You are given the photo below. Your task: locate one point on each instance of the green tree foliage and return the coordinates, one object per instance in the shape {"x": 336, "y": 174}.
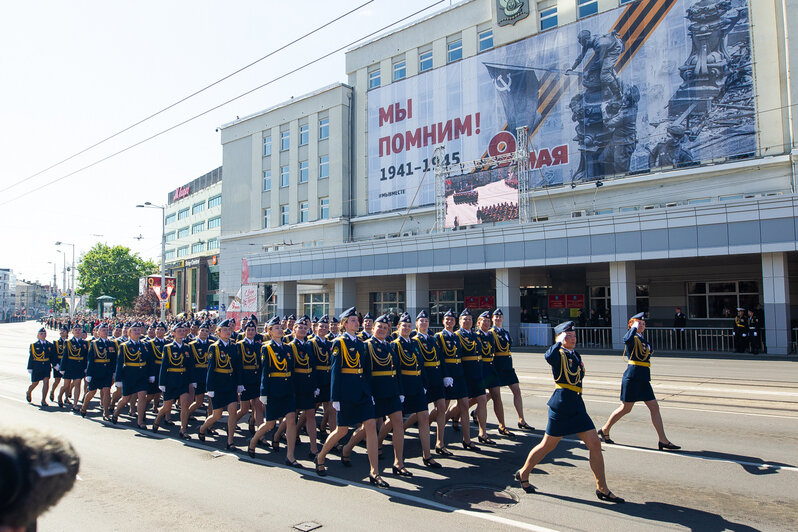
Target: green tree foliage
{"x": 112, "y": 271}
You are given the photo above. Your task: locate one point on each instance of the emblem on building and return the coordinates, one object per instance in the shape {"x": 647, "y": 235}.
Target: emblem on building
{"x": 511, "y": 11}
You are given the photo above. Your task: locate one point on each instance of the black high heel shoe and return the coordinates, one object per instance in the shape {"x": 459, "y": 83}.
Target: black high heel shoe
{"x": 201, "y": 436}
{"x": 276, "y": 446}
{"x": 183, "y": 436}
{"x": 346, "y": 460}
{"x": 609, "y": 497}
{"x": 430, "y": 464}
{"x": 605, "y": 437}
{"x": 505, "y": 432}
{"x": 230, "y": 447}
{"x": 401, "y": 471}
{"x": 667, "y": 446}
{"x": 295, "y": 464}
{"x": 470, "y": 447}
{"x": 525, "y": 485}
{"x": 443, "y": 452}
{"x": 378, "y": 481}
{"x": 524, "y": 426}
{"x": 486, "y": 440}
{"x": 251, "y": 452}
{"x": 321, "y": 470}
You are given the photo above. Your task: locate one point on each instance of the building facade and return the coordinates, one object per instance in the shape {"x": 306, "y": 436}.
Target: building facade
{"x": 192, "y": 226}
{"x": 31, "y": 299}
{"x": 8, "y": 291}
{"x": 650, "y": 174}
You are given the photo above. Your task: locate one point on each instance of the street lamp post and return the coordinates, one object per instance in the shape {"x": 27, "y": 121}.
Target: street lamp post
{"x": 147, "y": 204}
{"x": 54, "y": 290}
{"x": 72, "y": 290}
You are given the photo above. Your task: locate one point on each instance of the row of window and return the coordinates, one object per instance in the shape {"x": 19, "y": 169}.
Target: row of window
{"x": 304, "y": 136}
{"x": 182, "y": 214}
{"x": 285, "y": 213}
{"x": 197, "y": 247}
{"x": 195, "y": 228}
{"x": 285, "y": 173}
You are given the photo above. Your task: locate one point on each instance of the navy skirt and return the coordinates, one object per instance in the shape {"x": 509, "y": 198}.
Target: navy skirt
{"x": 386, "y": 405}
{"x": 434, "y": 393}
{"x": 223, "y": 398}
{"x": 40, "y": 374}
{"x": 352, "y": 414}
{"x": 201, "y": 387}
{"x": 490, "y": 376}
{"x": 569, "y": 415}
{"x": 507, "y": 377}
{"x": 457, "y": 390}
{"x": 174, "y": 392}
{"x": 251, "y": 391}
{"x": 57, "y": 374}
{"x": 133, "y": 386}
{"x": 305, "y": 401}
{"x": 324, "y": 394}
{"x": 277, "y": 407}
{"x": 97, "y": 383}
{"x": 415, "y": 403}
{"x": 633, "y": 390}
{"x": 152, "y": 387}
{"x": 74, "y": 370}
{"x": 476, "y": 387}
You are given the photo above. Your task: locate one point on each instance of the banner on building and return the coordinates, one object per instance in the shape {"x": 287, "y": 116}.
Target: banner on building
{"x": 654, "y": 84}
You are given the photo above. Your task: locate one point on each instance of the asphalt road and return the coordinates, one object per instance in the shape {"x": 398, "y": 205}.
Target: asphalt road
{"x": 737, "y": 421}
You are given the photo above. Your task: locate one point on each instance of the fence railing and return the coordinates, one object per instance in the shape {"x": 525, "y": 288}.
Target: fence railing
{"x": 794, "y": 344}
{"x": 668, "y": 339}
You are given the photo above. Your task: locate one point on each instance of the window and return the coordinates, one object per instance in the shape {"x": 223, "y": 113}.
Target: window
{"x": 267, "y": 180}
{"x": 626, "y": 2}
{"x": 425, "y": 61}
{"x": 324, "y": 208}
{"x": 213, "y": 243}
{"x": 374, "y": 79}
{"x": 182, "y": 232}
{"x": 284, "y": 176}
{"x": 485, "y": 40}
{"x": 284, "y": 214}
{"x": 267, "y": 218}
{"x": 304, "y": 134}
{"x": 324, "y": 128}
{"x": 324, "y": 166}
{"x": 170, "y": 236}
{"x": 454, "y": 51}
{"x": 600, "y": 305}
{"x": 387, "y": 303}
{"x": 198, "y": 207}
{"x": 198, "y": 247}
{"x": 587, "y": 7}
{"x": 303, "y": 211}
{"x": 197, "y": 228}
{"x": 442, "y": 300}
{"x": 548, "y": 18}
{"x": 214, "y": 222}
{"x": 316, "y": 305}
{"x": 267, "y": 146}
{"x": 170, "y": 254}
{"x": 285, "y": 140}
{"x": 399, "y": 70}
{"x": 170, "y": 219}
{"x": 215, "y": 201}
{"x": 707, "y": 300}
{"x": 303, "y": 171}
{"x": 182, "y": 251}
{"x": 182, "y": 214}
{"x": 642, "y": 298}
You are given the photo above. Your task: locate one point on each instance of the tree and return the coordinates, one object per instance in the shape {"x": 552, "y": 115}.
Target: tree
{"x": 147, "y": 303}
{"x": 112, "y": 271}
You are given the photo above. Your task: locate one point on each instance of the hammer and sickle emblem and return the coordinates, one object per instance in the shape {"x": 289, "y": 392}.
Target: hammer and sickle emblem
{"x": 502, "y": 85}
{"x": 511, "y": 7}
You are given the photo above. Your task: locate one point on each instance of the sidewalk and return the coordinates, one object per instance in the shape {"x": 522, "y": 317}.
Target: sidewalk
{"x": 711, "y": 355}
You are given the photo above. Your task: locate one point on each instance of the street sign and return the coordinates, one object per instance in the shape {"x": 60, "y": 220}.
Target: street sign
{"x": 164, "y": 295}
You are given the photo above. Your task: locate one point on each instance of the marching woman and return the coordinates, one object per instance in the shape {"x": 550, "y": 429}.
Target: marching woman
{"x": 57, "y": 352}
{"x": 567, "y": 413}
{"x": 503, "y": 362}
{"x": 320, "y": 348}
{"x": 175, "y": 379}
{"x": 223, "y": 381}
{"x": 156, "y": 345}
{"x": 277, "y": 392}
{"x": 414, "y": 386}
{"x": 468, "y": 349}
{"x": 73, "y": 365}
{"x": 454, "y": 379}
{"x": 199, "y": 365}
{"x": 103, "y": 353}
{"x": 490, "y": 374}
{"x": 386, "y": 391}
{"x": 350, "y": 393}
{"x": 249, "y": 355}
{"x": 39, "y": 362}
{"x": 133, "y": 374}
{"x": 636, "y": 383}
{"x": 305, "y": 385}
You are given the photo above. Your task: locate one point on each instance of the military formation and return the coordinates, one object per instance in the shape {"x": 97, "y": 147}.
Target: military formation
{"x": 325, "y": 376}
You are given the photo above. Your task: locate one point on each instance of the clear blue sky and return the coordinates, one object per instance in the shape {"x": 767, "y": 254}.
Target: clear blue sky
{"x": 76, "y": 72}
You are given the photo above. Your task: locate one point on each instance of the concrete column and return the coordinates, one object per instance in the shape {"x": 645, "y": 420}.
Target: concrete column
{"x": 623, "y": 302}
{"x": 345, "y": 295}
{"x": 508, "y": 298}
{"x": 286, "y": 298}
{"x": 776, "y": 295}
{"x": 416, "y": 293}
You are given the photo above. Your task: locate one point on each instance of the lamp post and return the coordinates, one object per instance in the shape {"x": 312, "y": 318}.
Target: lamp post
{"x": 54, "y": 291}
{"x": 72, "y": 290}
{"x": 147, "y": 204}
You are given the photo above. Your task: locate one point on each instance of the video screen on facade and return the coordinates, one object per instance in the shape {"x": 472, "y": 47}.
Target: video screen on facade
{"x": 482, "y": 197}
{"x": 654, "y": 84}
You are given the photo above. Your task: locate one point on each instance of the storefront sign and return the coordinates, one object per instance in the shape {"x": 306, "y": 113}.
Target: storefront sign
{"x": 181, "y": 192}
{"x": 557, "y": 301}
{"x": 575, "y": 301}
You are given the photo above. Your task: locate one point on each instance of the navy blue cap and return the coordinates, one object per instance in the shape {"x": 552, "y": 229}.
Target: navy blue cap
{"x": 315, "y": 320}
{"x": 160, "y": 324}
{"x": 383, "y": 319}
{"x": 291, "y": 317}
{"x": 639, "y": 316}
{"x": 422, "y": 314}
{"x": 564, "y": 327}
{"x": 465, "y": 312}
{"x": 103, "y": 325}
{"x": 348, "y": 312}
{"x": 450, "y": 314}
{"x": 324, "y": 319}
{"x": 274, "y": 321}
{"x": 303, "y": 320}
{"x": 405, "y": 318}
{"x": 498, "y": 312}
{"x": 333, "y": 320}
{"x": 251, "y": 323}
{"x": 43, "y": 330}
{"x": 485, "y": 314}
{"x": 205, "y": 325}
{"x": 64, "y": 328}
{"x": 368, "y": 316}
{"x": 226, "y": 323}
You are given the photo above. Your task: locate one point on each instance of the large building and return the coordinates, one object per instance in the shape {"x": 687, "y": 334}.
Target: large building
{"x": 8, "y": 291}
{"x": 593, "y": 157}
{"x": 32, "y": 298}
{"x": 192, "y": 226}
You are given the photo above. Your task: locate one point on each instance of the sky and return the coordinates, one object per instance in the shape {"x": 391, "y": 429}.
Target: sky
{"x": 74, "y": 73}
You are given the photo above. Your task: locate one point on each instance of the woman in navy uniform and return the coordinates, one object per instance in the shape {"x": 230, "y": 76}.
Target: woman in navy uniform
{"x": 277, "y": 391}
{"x": 175, "y": 378}
{"x": 39, "y": 362}
{"x": 387, "y": 394}
{"x": 350, "y": 393}
{"x": 368, "y": 327}
{"x": 567, "y": 413}
{"x": 636, "y": 383}
{"x": 73, "y": 365}
{"x": 103, "y": 353}
{"x": 490, "y": 374}
{"x": 55, "y": 359}
{"x": 199, "y": 365}
{"x": 156, "y": 346}
{"x": 133, "y": 374}
{"x": 503, "y": 362}
{"x": 305, "y": 385}
{"x": 223, "y": 381}
{"x": 454, "y": 379}
{"x": 249, "y": 355}
{"x": 320, "y": 348}
{"x": 469, "y": 351}
{"x": 414, "y": 386}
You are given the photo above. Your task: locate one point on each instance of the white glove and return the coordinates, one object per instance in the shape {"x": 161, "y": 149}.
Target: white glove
{"x": 373, "y": 401}
{"x": 316, "y": 392}
{"x": 754, "y": 334}
{"x": 58, "y": 367}
{"x": 162, "y": 388}
{"x": 336, "y": 406}
{"x": 152, "y": 379}
{"x": 744, "y": 335}
{"x": 448, "y": 382}
{"x": 425, "y": 391}
{"x": 210, "y": 394}
{"x": 263, "y": 399}
{"x": 194, "y": 385}
{"x": 88, "y": 378}
{"x": 401, "y": 398}
{"x": 30, "y": 371}
{"x": 240, "y": 388}
{"x": 118, "y": 384}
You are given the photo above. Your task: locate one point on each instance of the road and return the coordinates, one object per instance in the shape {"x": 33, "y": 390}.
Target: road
{"x": 736, "y": 420}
